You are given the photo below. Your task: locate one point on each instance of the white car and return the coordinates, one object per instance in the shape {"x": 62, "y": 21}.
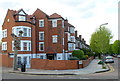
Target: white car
{"x": 109, "y": 59}
{"x": 118, "y": 56}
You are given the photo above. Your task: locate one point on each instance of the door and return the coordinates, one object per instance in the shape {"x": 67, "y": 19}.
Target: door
{"x": 50, "y": 56}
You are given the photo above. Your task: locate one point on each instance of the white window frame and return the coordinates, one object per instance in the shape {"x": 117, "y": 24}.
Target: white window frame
{"x": 16, "y": 30}
{"x": 63, "y": 23}
{"x": 68, "y": 36}
{"x": 42, "y": 32}
{"x": 71, "y": 46}
{"x": 72, "y": 30}
{"x": 21, "y": 45}
{"x": 4, "y": 45}
{"x": 4, "y": 33}
{"x": 22, "y": 18}
{"x": 40, "y": 46}
{"x": 41, "y": 23}
{"x": 63, "y": 41}
{"x": 54, "y": 38}
{"x": 54, "y": 23}
{"x": 72, "y": 38}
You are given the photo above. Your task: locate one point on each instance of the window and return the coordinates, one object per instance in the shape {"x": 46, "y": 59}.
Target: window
{"x": 25, "y": 60}
{"x": 41, "y": 46}
{"x": 54, "y": 38}
{"x": 25, "y": 32}
{"x": 4, "y": 45}
{"x": 4, "y": 33}
{"x": 68, "y": 36}
{"x": 22, "y": 18}
{"x": 72, "y": 39}
{"x": 29, "y": 46}
{"x": 41, "y": 23}
{"x": 71, "y": 46}
{"x": 41, "y": 35}
{"x": 29, "y": 32}
{"x": 41, "y": 57}
{"x": 17, "y": 31}
{"x": 63, "y": 23}
{"x": 72, "y": 30}
{"x": 54, "y": 23}
{"x": 24, "y": 45}
{"x": 63, "y": 41}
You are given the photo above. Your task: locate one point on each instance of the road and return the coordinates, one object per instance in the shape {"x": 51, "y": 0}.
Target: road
{"x": 112, "y": 74}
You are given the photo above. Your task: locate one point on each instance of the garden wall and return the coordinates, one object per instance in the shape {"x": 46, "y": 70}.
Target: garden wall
{"x": 5, "y": 61}
{"x": 46, "y": 64}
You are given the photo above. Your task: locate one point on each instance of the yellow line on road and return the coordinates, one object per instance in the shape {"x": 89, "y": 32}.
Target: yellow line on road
{"x": 111, "y": 68}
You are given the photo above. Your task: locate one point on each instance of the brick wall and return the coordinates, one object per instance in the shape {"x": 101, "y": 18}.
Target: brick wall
{"x": 53, "y": 64}
{"x": 5, "y": 61}
{"x": 58, "y": 64}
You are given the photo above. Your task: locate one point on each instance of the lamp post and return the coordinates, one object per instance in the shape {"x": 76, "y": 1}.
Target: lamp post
{"x": 103, "y": 24}
{"x": 16, "y": 46}
{"x": 100, "y": 29}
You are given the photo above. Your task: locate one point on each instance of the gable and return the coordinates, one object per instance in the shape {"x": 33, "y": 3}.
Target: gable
{"x": 22, "y": 12}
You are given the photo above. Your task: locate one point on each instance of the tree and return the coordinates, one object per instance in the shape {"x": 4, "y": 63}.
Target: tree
{"x": 100, "y": 40}
{"x": 110, "y": 49}
{"x": 116, "y": 47}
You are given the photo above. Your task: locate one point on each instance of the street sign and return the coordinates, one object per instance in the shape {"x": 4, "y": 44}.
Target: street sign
{"x": 80, "y": 62}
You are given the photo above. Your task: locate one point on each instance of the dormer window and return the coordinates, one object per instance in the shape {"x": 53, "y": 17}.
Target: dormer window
{"x": 22, "y": 18}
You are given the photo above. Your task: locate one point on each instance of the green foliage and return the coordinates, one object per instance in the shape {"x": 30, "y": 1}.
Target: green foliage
{"x": 84, "y": 57}
{"x": 100, "y": 40}
{"x": 78, "y": 53}
{"x": 110, "y": 49}
{"x": 116, "y": 47}
{"x": 74, "y": 58}
{"x": 88, "y": 52}
{"x": 101, "y": 62}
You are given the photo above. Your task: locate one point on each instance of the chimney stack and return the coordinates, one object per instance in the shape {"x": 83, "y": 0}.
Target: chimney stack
{"x": 80, "y": 37}
{"x": 76, "y": 34}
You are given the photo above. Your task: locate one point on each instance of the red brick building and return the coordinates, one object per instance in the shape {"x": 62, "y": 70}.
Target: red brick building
{"x": 46, "y": 37}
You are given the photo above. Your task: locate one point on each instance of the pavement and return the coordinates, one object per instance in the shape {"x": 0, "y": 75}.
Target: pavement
{"x": 93, "y": 67}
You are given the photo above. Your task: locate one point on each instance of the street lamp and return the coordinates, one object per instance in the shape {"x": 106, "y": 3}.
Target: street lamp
{"x": 16, "y": 46}
{"x": 100, "y": 29}
{"x": 103, "y": 24}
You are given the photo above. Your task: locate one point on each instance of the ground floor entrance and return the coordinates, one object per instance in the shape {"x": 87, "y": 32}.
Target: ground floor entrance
{"x": 51, "y": 56}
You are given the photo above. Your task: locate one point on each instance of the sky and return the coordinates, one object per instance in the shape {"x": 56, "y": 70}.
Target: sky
{"x": 85, "y": 15}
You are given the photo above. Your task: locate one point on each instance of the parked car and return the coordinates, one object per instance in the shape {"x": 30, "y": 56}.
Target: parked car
{"x": 118, "y": 56}
{"x": 109, "y": 59}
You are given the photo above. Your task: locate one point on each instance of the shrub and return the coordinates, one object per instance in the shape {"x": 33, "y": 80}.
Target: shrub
{"x": 74, "y": 58}
{"x": 101, "y": 62}
{"x": 84, "y": 58}
{"x": 78, "y": 53}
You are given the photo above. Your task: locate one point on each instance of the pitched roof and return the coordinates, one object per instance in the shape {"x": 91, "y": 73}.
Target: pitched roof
{"x": 55, "y": 15}
{"x": 38, "y": 10}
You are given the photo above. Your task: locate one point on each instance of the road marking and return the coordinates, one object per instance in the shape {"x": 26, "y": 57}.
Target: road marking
{"x": 111, "y": 68}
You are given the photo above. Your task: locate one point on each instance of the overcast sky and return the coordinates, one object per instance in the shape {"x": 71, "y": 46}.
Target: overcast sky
{"x": 85, "y": 15}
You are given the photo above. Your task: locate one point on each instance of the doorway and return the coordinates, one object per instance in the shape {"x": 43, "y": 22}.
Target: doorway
{"x": 51, "y": 56}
